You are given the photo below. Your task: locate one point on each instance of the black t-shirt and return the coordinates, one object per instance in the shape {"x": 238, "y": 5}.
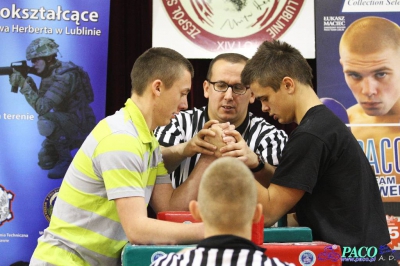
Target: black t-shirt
{"x": 342, "y": 204}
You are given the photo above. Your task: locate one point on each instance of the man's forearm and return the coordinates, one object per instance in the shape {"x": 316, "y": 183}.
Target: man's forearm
{"x": 270, "y": 212}
{"x": 277, "y": 201}
{"x": 140, "y": 229}
{"x": 188, "y": 190}
{"x": 168, "y": 233}
{"x": 264, "y": 175}
{"x": 173, "y": 156}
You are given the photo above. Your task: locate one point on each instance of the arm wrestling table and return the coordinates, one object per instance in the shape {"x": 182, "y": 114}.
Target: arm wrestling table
{"x": 289, "y": 244}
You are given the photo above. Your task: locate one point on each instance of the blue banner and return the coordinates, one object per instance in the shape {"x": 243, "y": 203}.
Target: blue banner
{"x": 70, "y": 39}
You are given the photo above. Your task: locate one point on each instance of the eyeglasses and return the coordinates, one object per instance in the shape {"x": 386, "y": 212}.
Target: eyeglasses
{"x": 221, "y": 86}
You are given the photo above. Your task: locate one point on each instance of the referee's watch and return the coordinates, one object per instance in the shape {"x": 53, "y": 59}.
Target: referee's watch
{"x": 260, "y": 165}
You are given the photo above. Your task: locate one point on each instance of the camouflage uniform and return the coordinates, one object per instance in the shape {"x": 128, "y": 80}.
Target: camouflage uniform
{"x": 62, "y": 103}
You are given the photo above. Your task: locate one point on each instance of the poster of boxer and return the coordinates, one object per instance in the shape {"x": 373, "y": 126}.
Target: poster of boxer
{"x": 358, "y": 68}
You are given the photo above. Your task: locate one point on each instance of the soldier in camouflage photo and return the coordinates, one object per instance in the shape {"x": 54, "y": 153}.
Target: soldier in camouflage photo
{"x": 62, "y": 103}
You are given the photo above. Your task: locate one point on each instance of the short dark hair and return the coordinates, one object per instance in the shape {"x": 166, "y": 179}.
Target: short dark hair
{"x": 158, "y": 63}
{"x": 273, "y": 61}
{"x": 229, "y": 57}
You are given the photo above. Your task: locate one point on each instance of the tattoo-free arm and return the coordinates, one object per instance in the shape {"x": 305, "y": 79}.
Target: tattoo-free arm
{"x": 277, "y": 201}
{"x": 140, "y": 229}
{"x": 169, "y": 199}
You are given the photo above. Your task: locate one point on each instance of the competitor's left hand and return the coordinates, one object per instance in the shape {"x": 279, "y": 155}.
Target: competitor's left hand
{"x": 239, "y": 149}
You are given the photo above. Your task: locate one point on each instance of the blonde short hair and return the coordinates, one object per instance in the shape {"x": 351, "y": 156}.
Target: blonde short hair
{"x": 227, "y": 194}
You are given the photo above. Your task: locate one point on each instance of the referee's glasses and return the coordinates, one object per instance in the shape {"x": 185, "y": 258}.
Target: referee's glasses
{"x": 221, "y": 86}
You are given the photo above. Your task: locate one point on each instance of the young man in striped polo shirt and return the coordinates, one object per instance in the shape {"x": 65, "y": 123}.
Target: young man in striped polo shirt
{"x": 103, "y": 198}
{"x": 261, "y": 144}
{"x": 227, "y": 205}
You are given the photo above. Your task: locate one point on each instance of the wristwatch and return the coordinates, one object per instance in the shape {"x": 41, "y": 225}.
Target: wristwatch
{"x": 260, "y": 165}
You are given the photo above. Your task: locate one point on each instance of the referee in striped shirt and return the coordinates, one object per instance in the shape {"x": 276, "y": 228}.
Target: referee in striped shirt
{"x": 260, "y": 147}
{"x": 227, "y": 205}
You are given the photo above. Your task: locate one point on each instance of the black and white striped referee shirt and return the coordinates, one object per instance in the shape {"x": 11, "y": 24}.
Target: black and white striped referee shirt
{"x": 261, "y": 137}
{"x": 221, "y": 250}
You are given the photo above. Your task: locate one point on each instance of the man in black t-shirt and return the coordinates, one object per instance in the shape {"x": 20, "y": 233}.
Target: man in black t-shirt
{"x": 323, "y": 171}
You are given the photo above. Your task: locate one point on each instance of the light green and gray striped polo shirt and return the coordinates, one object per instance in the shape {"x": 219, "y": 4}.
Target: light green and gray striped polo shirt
{"x": 120, "y": 158}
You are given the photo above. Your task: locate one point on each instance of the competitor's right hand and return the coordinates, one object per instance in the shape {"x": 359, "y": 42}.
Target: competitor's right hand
{"x": 198, "y": 144}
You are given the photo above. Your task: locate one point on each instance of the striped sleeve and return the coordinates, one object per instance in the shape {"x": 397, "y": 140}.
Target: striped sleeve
{"x": 180, "y": 130}
{"x": 266, "y": 139}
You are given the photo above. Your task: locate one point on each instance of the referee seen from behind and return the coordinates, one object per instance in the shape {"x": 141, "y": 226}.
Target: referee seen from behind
{"x": 260, "y": 145}
{"x": 227, "y": 205}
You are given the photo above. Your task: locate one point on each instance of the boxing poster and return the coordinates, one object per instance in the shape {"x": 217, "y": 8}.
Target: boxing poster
{"x": 358, "y": 76}
{"x": 206, "y": 28}
{"x": 53, "y": 69}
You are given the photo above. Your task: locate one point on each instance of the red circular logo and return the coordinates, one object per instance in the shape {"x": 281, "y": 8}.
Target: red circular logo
{"x": 232, "y": 24}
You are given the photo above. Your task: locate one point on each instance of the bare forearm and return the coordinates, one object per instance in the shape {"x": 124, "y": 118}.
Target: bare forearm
{"x": 167, "y": 233}
{"x": 188, "y": 190}
{"x": 173, "y": 156}
{"x": 140, "y": 229}
{"x": 264, "y": 175}
{"x": 264, "y": 199}
{"x": 277, "y": 201}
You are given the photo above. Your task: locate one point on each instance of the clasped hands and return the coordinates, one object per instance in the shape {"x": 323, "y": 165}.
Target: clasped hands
{"x": 221, "y": 139}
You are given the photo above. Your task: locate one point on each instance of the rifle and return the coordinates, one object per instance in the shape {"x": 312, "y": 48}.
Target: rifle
{"x": 19, "y": 66}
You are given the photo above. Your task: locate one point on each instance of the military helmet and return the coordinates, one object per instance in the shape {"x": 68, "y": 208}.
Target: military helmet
{"x": 41, "y": 47}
